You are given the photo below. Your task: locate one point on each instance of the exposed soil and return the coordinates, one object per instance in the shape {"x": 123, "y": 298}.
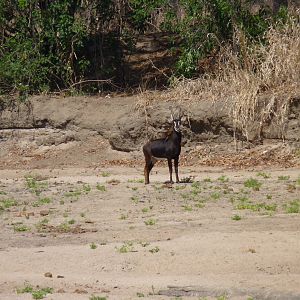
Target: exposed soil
{"x": 150, "y": 237}
{"x": 65, "y": 191}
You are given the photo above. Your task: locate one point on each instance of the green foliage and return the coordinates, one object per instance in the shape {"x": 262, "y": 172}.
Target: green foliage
{"x": 293, "y": 207}
{"x": 54, "y": 45}
{"x": 236, "y": 218}
{"x": 253, "y": 183}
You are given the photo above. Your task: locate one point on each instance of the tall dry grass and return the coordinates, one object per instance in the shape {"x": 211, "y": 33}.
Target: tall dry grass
{"x": 258, "y": 82}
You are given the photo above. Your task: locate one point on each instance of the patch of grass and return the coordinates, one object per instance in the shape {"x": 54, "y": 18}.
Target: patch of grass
{"x": 298, "y": 181}
{"x": 140, "y": 180}
{"x": 144, "y": 244}
{"x": 263, "y": 175}
{"x": 123, "y": 217}
{"x": 41, "y": 201}
{"x": 291, "y": 188}
{"x": 185, "y": 196}
{"x": 125, "y": 248}
{"x": 42, "y": 293}
{"x": 7, "y": 203}
{"x": 215, "y": 196}
{"x": 75, "y": 193}
{"x": 284, "y": 178}
{"x": 247, "y": 204}
{"x": 145, "y": 209}
{"x": 21, "y": 228}
{"x": 82, "y": 215}
{"x": 64, "y": 227}
{"x": 293, "y": 207}
{"x": 140, "y": 295}
{"x": 134, "y": 199}
{"x": 72, "y": 221}
{"x": 269, "y": 197}
{"x": 180, "y": 187}
{"x": 93, "y": 297}
{"x": 93, "y": 246}
{"x": 253, "y": 183}
{"x": 26, "y": 289}
{"x": 196, "y": 191}
{"x": 34, "y": 185}
{"x": 236, "y": 218}
{"x": 223, "y": 178}
{"x": 200, "y": 205}
{"x": 40, "y": 226}
{"x": 135, "y": 188}
{"x": 3, "y": 193}
{"x": 36, "y": 293}
{"x": 100, "y": 187}
{"x": 86, "y": 188}
{"x": 154, "y": 250}
{"x": 207, "y": 179}
{"x": 105, "y": 174}
{"x": 150, "y": 222}
{"x": 187, "y": 208}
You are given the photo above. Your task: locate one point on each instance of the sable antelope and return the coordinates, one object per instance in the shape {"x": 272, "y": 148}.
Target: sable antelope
{"x": 168, "y": 147}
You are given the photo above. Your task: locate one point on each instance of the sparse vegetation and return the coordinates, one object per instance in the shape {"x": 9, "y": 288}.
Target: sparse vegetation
{"x": 64, "y": 227}
{"x": 223, "y": 178}
{"x": 283, "y": 177}
{"x": 253, "y": 183}
{"x": 105, "y": 174}
{"x": 140, "y": 295}
{"x": 101, "y": 187}
{"x": 34, "y": 185}
{"x": 140, "y": 180}
{"x": 236, "y": 218}
{"x": 145, "y": 209}
{"x": 125, "y": 248}
{"x": 263, "y": 175}
{"x": 7, "y": 203}
{"x": 154, "y": 250}
{"x": 41, "y": 201}
{"x": 187, "y": 208}
{"x": 93, "y": 297}
{"x": 21, "y": 228}
{"x": 86, "y": 188}
{"x": 72, "y": 193}
{"x": 36, "y": 293}
{"x": 150, "y": 222}
{"x": 93, "y": 246}
{"x": 134, "y": 199}
{"x": 293, "y": 207}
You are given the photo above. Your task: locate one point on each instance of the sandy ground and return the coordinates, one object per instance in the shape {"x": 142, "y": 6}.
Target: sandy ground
{"x": 101, "y": 231}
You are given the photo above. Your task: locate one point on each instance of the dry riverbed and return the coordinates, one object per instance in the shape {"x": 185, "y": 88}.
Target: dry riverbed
{"x": 87, "y": 233}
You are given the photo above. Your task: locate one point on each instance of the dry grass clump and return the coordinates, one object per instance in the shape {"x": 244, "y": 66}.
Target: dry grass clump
{"x": 258, "y": 82}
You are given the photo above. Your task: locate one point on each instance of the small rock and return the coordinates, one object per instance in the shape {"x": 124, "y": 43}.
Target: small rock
{"x": 48, "y": 274}
{"x": 44, "y": 213}
{"x": 61, "y": 291}
{"x": 60, "y": 276}
{"x": 80, "y": 291}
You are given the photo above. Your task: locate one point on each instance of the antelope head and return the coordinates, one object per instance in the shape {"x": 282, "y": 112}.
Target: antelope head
{"x": 176, "y": 118}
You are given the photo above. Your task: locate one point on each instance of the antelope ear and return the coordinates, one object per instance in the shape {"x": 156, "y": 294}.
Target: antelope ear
{"x": 183, "y": 119}
{"x": 170, "y": 120}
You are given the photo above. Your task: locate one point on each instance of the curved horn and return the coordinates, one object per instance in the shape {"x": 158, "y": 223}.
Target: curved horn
{"x": 172, "y": 113}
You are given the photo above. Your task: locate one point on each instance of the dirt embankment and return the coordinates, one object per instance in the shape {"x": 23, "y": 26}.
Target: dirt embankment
{"x": 86, "y": 126}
